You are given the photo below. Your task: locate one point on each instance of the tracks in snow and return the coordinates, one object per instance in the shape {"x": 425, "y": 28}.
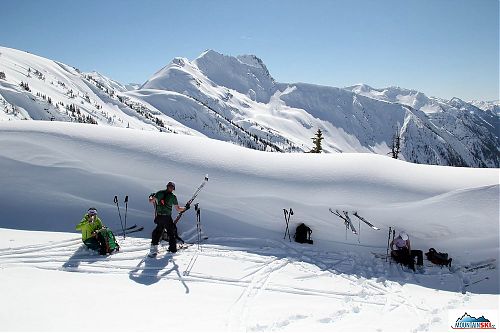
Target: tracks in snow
{"x": 268, "y": 267}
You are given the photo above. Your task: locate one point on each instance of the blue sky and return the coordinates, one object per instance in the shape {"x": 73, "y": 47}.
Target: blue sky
{"x": 445, "y": 48}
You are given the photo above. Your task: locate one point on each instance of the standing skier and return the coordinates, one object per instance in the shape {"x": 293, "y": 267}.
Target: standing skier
{"x": 402, "y": 252}
{"x": 163, "y": 201}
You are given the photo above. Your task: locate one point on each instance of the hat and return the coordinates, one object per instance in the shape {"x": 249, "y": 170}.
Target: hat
{"x": 403, "y": 235}
{"x": 171, "y": 184}
{"x": 92, "y": 211}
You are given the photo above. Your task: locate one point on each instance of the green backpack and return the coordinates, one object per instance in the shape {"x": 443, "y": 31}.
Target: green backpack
{"x": 107, "y": 241}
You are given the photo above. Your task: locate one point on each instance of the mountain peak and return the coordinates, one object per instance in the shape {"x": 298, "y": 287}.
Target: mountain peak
{"x": 361, "y": 88}
{"x": 209, "y": 54}
{"x": 246, "y": 74}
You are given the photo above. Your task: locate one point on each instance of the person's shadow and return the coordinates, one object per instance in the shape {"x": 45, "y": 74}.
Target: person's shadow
{"x": 147, "y": 270}
{"x": 81, "y": 254}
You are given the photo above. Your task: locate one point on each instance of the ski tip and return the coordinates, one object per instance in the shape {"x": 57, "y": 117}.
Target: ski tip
{"x": 206, "y": 177}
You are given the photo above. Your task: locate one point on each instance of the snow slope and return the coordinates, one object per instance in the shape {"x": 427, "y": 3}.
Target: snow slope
{"x": 251, "y": 278}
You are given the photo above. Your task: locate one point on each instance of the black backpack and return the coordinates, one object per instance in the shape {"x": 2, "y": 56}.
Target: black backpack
{"x": 303, "y": 234}
{"x": 438, "y": 258}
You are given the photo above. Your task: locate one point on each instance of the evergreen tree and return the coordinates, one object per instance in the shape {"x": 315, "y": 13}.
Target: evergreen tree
{"x": 317, "y": 142}
{"x": 396, "y": 145}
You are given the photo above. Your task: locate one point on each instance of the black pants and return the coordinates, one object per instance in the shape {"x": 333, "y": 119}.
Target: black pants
{"x": 165, "y": 222}
{"x": 408, "y": 258}
{"x": 98, "y": 243}
{"x": 420, "y": 256}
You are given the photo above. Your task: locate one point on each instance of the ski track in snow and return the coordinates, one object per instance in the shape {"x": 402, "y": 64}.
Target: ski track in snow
{"x": 264, "y": 272}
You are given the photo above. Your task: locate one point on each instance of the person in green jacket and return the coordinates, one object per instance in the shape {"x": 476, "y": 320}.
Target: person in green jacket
{"x": 91, "y": 226}
{"x": 164, "y": 201}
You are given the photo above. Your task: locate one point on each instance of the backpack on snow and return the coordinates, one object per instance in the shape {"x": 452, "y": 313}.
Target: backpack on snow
{"x": 107, "y": 241}
{"x": 438, "y": 258}
{"x": 303, "y": 234}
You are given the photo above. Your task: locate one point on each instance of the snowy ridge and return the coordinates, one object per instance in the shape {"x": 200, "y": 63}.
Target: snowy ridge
{"x": 432, "y": 131}
{"x": 246, "y": 270}
{"x": 55, "y": 91}
{"x": 109, "y": 84}
{"x": 235, "y": 99}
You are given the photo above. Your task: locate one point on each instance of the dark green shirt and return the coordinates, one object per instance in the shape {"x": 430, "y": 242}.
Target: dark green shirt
{"x": 164, "y": 202}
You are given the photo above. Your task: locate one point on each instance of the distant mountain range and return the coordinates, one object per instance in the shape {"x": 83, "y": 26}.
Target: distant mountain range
{"x": 236, "y": 99}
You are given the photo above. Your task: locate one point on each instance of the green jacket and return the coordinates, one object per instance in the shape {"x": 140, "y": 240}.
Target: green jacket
{"x": 169, "y": 200}
{"x": 88, "y": 227}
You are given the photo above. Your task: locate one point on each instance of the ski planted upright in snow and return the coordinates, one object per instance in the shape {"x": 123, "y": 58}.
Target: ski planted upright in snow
{"x": 365, "y": 221}
{"x": 347, "y": 220}
{"x": 346, "y": 214}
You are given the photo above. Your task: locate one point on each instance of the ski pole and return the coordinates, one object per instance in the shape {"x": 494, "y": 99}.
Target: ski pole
{"x": 126, "y": 209}
{"x": 290, "y": 213}
{"x": 359, "y": 231}
{"x": 388, "y": 240}
{"x": 286, "y": 221}
{"x": 393, "y": 234}
{"x": 120, "y": 215}
{"x": 198, "y": 223}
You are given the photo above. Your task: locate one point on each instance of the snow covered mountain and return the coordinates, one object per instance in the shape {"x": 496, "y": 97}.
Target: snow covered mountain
{"x": 236, "y": 99}
{"x": 470, "y": 130}
{"x": 355, "y": 119}
{"x": 252, "y": 278}
{"x": 32, "y": 87}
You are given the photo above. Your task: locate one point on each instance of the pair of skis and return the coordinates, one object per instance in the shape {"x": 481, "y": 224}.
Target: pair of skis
{"x": 129, "y": 230}
{"x": 347, "y": 220}
{"x": 192, "y": 198}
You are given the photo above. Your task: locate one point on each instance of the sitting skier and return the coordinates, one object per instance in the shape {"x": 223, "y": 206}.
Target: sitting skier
{"x": 402, "y": 253}
{"x": 95, "y": 235}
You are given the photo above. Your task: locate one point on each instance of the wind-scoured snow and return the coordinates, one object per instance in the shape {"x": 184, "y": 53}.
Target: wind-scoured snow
{"x": 247, "y": 277}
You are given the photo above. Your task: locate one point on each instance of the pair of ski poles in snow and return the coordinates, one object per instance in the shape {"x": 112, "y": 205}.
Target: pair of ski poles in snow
{"x": 120, "y": 215}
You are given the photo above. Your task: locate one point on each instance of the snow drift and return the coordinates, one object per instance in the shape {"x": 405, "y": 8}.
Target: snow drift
{"x": 51, "y": 172}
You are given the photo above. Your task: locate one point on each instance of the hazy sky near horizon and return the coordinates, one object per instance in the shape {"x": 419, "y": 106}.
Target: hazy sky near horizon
{"x": 444, "y": 48}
